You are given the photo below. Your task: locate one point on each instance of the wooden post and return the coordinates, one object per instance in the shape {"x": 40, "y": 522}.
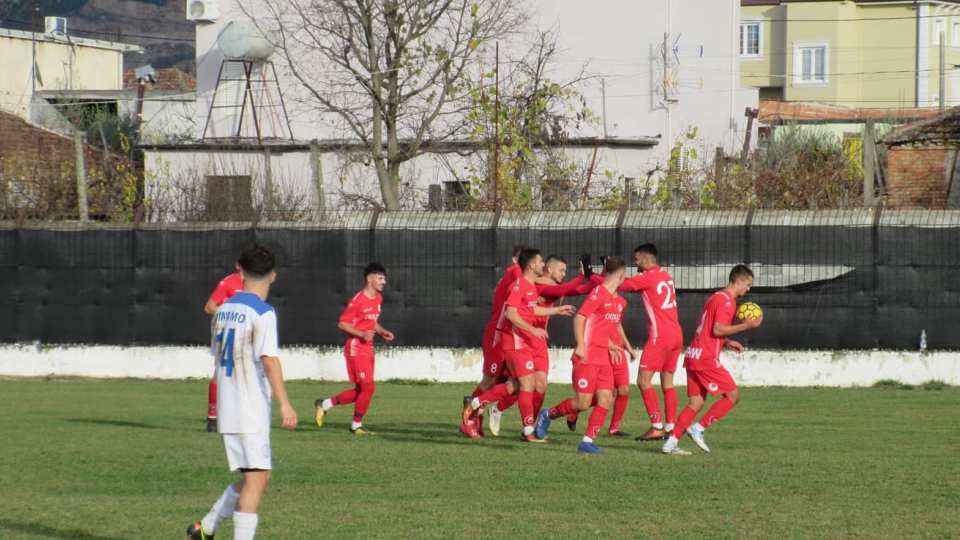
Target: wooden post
{"x": 750, "y": 114}
{"x": 316, "y": 170}
{"x": 869, "y": 160}
{"x": 82, "y": 208}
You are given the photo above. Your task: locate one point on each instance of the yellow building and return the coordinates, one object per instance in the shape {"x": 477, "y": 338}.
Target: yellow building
{"x": 853, "y": 53}
{"x": 63, "y": 62}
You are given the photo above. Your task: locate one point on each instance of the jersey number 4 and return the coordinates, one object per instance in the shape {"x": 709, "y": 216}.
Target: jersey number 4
{"x": 665, "y": 289}
{"x": 225, "y": 350}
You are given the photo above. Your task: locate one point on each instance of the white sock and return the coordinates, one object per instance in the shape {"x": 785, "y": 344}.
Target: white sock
{"x": 475, "y": 403}
{"x": 356, "y": 425}
{"x": 587, "y": 439}
{"x": 669, "y": 427}
{"x": 527, "y": 430}
{"x": 657, "y": 425}
{"x": 244, "y": 525}
{"x": 327, "y": 404}
{"x": 222, "y": 509}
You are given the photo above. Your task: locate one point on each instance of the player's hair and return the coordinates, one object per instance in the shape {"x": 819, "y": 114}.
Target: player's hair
{"x": 257, "y": 261}
{"x": 554, "y": 258}
{"x": 517, "y": 249}
{"x": 526, "y": 256}
{"x": 740, "y": 271}
{"x": 613, "y": 263}
{"x": 647, "y": 248}
{"x": 374, "y": 268}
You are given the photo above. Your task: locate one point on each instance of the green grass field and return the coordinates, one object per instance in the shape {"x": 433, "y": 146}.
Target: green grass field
{"x": 100, "y": 460}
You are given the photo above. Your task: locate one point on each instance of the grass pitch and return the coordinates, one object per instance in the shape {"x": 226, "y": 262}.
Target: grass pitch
{"x": 99, "y": 460}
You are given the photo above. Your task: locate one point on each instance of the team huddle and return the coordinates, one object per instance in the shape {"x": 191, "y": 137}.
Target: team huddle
{"x": 516, "y": 362}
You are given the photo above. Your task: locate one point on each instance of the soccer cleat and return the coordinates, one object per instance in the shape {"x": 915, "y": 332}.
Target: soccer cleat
{"x": 360, "y": 431}
{"x": 211, "y": 425}
{"x": 588, "y": 448}
{"x": 542, "y": 426}
{"x": 469, "y": 429}
{"x": 467, "y": 412}
{"x": 319, "y": 413}
{"x": 572, "y": 424}
{"x": 195, "y": 532}
{"x": 696, "y": 433}
{"x": 494, "y": 424}
{"x": 671, "y": 447}
{"x": 531, "y": 439}
{"x": 617, "y": 433}
{"x": 676, "y": 452}
{"x": 653, "y": 434}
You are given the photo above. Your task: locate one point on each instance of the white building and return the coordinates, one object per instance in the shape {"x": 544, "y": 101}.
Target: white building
{"x": 657, "y": 70}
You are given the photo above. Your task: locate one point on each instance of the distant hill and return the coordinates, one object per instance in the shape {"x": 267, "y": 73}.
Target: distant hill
{"x": 159, "y": 26}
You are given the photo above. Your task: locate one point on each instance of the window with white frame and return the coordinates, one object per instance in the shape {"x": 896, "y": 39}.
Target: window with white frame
{"x": 939, "y": 27}
{"x": 810, "y": 63}
{"x": 750, "y": 39}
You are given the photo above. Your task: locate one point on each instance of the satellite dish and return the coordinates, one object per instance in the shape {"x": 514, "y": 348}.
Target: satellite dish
{"x": 244, "y": 41}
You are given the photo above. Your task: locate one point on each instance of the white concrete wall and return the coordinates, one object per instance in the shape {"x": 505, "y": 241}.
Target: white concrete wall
{"x": 753, "y": 368}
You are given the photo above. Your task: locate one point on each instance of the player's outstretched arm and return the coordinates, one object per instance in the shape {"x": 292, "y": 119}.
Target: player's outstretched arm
{"x": 271, "y": 365}
{"x": 565, "y": 309}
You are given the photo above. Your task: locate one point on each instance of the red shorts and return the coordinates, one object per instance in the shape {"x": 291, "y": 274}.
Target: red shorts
{"x": 520, "y": 363}
{"x": 715, "y": 381}
{"x": 541, "y": 357}
{"x": 621, "y": 371}
{"x": 588, "y": 377}
{"x": 493, "y": 365}
{"x": 360, "y": 368}
{"x": 661, "y": 356}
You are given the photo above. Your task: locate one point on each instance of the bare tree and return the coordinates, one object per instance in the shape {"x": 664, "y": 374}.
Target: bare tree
{"x": 393, "y": 71}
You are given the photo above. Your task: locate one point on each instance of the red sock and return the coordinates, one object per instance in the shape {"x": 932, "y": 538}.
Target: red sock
{"x": 212, "y": 399}
{"x": 507, "y": 402}
{"x": 526, "y": 407}
{"x": 347, "y": 396}
{"x": 538, "y": 398}
{"x": 670, "y": 404}
{"x": 686, "y": 418}
{"x": 494, "y": 394}
{"x": 652, "y": 402}
{"x": 597, "y": 418}
{"x": 619, "y": 409}
{"x": 717, "y": 411}
{"x": 564, "y": 408}
{"x": 364, "y": 396}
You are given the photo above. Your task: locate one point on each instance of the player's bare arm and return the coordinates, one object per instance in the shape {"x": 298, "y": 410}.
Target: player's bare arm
{"x": 564, "y": 310}
{"x": 211, "y": 307}
{"x": 723, "y": 330}
{"x": 274, "y": 372}
{"x": 351, "y": 330}
{"x": 579, "y": 328}
{"x": 627, "y": 346}
{"x": 615, "y": 350}
{"x": 514, "y": 317}
{"x": 383, "y": 332}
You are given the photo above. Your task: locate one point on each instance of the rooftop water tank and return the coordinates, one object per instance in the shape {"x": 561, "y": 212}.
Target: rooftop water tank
{"x": 243, "y": 40}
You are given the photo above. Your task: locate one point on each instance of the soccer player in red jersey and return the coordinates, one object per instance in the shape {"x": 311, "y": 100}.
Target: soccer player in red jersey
{"x": 227, "y": 287}
{"x": 359, "y": 322}
{"x": 664, "y": 339}
{"x": 519, "y": 338}
{"x": 705, "y": 374}
{"x": 621, "y": 379}
{"x": 594, "y": 327}
{"x": 551, "y": 289}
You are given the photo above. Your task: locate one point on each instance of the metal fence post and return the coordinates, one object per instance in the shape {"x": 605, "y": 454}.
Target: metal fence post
{"x": 495, "y": 227}
{"x": 618, "y": 237}
{"x": 747, "y": 226}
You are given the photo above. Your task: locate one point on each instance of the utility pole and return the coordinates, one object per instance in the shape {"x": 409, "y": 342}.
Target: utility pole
{"x": 943, "y": 74}
{"x": 869, "y": 163}
{"x": 82, "y": 208}
{"x": 496, "y": 130}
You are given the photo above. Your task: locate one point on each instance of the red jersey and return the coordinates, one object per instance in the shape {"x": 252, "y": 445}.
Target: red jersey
{"x": 523, "y": 297}
{"x": 362, "y": 313}
{"x": 704, "y": 350}
{"x": 227, "y": 287}
{"x": 603, "y": 312}
{"x": 549, "y": 294}
{"x": 660, "y": 301}
{"x": 502, "y": 290}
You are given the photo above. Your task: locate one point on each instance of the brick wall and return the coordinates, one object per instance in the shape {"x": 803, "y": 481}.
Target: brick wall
{"x": 916, "y": 176}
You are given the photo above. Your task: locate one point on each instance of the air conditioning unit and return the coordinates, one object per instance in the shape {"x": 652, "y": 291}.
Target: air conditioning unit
{"x": 55, "y": 26}
{"x": 202, "y": 10}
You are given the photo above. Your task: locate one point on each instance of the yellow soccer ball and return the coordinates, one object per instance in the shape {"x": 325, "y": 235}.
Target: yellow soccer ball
{"x": 748, "y": 311}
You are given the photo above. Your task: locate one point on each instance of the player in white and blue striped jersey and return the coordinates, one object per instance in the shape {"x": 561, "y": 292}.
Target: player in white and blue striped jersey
{"x": 248, "y": 373}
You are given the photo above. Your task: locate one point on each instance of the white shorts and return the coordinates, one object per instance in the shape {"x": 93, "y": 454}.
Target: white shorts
{"x": 248, "y": 451}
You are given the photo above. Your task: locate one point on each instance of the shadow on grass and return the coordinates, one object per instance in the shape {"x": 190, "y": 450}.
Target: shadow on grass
{"x": 114, "y": 423}
{"x": 39, "y": 529}
{"x": 428, "y": 432}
